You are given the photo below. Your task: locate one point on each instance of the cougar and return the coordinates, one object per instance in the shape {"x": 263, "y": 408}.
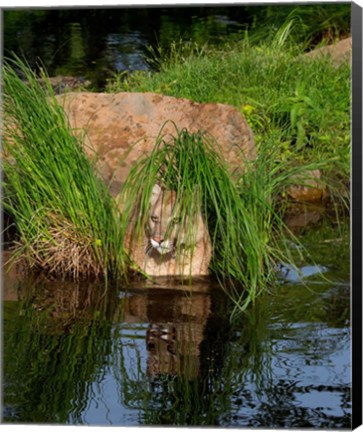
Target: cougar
{"x": 166, "y": 248}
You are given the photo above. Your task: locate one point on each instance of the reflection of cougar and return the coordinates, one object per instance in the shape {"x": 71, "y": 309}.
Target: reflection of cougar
{"x": 167, "y": 249}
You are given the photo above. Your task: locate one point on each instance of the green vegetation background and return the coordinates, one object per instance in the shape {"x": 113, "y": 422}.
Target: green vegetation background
{"x": 302, "y": 104}
{"x": 298, "y": 108}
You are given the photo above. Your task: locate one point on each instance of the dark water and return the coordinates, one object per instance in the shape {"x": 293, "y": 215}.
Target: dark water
{"x": 96, "y": 43}
{"x": 76, "y": 354}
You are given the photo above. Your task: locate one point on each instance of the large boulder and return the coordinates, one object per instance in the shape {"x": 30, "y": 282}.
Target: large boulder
{"x": 123, "y": 127}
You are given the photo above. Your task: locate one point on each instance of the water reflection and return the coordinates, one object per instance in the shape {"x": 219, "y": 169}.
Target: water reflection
{"x": 83, "y": 354}
{"x": 176, "y": 322}
{"x": 69, "y": 339}
{"x": 126, "y": 51}
{"x": 95, "y": 43}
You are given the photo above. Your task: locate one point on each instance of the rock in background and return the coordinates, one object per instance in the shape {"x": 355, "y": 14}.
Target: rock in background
{"x": 308, "y": 188}
{"x": 339, "y": 52}
{"x": 123, "y": 127}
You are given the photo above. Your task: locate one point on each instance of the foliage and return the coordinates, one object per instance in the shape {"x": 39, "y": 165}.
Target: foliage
{"x": 68, "y": 222}
{"x": 303, "y": 102}
{"x": 65, "y": 217}
{"x": 311, "y": 24}
{"x": 244, "y": 227}
{"x": 176, "y": 52}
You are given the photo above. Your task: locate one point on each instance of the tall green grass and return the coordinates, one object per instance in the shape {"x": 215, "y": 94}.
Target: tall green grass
{"x": 243, "y": 222}
{"x": 65, "y": 217}
{"x": 311, "y": 24}
{"x": 69, "y": 224}
{"x": 303, "y": 102}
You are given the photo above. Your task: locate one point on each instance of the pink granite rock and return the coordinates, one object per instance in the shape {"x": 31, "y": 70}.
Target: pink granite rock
{"x": 309, "y": 187}
{"x": 339, "y": 52}
{"x": 122, "y": 128}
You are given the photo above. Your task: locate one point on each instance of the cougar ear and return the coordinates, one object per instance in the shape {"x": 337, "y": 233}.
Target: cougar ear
{"x": 155, "y": 193}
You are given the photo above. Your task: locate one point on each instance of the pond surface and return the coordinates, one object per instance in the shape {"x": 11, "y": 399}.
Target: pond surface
{"x": 95, "y": 43}
{"x": 82, "y": 355}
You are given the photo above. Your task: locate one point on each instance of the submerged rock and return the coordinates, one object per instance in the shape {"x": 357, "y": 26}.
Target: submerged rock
{"x": 63, "y": 83}
{"x": 123, "y": 127}
{"x": 302, "y": 215}
{"x": 308, "y": 188}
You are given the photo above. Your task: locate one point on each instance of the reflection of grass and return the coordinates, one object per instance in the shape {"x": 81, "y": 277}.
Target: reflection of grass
{"x": 327, "y": 294}
{"x": 49, "y": 375}
{"x": 55, "y": 369}
{"x": 329, "y": 245}
{"x": 230, "y": 357}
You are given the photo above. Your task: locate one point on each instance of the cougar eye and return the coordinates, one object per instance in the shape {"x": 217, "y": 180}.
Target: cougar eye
{"x": 154, "y": 218}
{"x": 176, "y": 220}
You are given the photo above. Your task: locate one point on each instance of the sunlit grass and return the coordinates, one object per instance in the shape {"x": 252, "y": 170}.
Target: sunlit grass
{"x": 305, "y": 102}
{"x": 242, "y": 213}
{"x": 65, "y": 217}
{"x": 69, "y": 225}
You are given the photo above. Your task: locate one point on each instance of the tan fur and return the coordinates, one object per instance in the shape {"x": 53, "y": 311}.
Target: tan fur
{"x": 175, "y": 254}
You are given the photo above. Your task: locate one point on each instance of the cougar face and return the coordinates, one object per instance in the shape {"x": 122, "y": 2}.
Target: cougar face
{"x": 164, "y": 222}
{"x": 171, "y": 244}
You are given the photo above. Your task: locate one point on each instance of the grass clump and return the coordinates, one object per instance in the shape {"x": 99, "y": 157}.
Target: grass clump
{"x": 244, "y": 239}
{"x": 65, "y": 217}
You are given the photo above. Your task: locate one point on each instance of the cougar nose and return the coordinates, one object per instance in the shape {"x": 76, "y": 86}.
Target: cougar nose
{"x": 158, "y": 239}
